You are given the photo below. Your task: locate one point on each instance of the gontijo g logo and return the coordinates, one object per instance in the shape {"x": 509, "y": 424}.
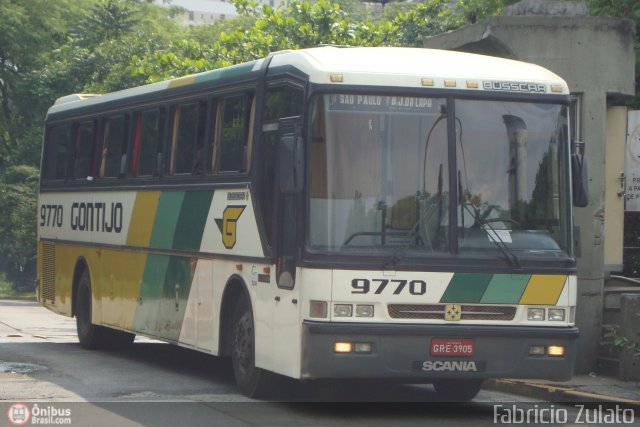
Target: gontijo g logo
{"x": 228, "y": 225}
{"x": 18, "y": 414}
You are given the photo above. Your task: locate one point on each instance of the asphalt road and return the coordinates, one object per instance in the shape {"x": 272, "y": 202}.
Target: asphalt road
{"x": 157, "y": 384}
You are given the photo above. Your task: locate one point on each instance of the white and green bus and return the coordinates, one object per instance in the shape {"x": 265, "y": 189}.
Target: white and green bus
{"x": 381, "y": 213}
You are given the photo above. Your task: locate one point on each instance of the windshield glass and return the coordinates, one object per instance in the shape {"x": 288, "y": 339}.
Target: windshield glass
{"x": 513, "y": 185}
{"x": 380, "y": 180}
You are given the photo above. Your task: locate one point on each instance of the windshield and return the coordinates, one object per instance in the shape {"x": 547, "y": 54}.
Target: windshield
{"x": 381, "y": 179}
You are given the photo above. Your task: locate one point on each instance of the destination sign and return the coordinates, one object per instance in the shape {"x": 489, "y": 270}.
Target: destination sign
{"x": 384, "y": 104}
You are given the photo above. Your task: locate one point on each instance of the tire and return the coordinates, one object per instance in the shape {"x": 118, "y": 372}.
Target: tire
{"x": 457, "y": 390}
{"x": 93, "y": 337}
{"x": 252, "y": 381}
{"x": 90, "y": 336}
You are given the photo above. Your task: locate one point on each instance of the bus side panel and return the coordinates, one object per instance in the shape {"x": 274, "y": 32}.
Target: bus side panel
{"x": 175, "y": 289}
{"x": 117, "y": 275}
{"x": 54, "y": 278}
{"x": 58, "y": 263}
{"x": 198, "y": 324}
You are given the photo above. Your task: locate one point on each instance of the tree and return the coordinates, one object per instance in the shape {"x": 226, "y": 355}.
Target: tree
{"x": 44, "y": 54}
{"x": 29, "y": 30}
{"x": 18, "y": 202}
{"x": 261, "y": 30}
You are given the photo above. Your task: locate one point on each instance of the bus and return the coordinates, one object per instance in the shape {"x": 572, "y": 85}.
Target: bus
{"x": 398, "y": 214}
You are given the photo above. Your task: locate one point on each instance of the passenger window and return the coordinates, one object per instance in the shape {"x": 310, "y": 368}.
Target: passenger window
{"x": 186, "y": 137}
{"x": 57, "y": 146}
{"x": 85, "y": 137}
{"x": 234, "y": 136}
{"x": 148, "y": 133}
{"x": 113, "y": 156}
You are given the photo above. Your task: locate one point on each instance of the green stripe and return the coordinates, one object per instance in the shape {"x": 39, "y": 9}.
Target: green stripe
{"x": 233, "y": 70}
{"x": 192, "y": 220}
{"x": 166, "y": 220}
{"x": 177, "y": 283}
{"x": 466, "y": 287}
{"x": 505, "y": 289}
{"x": 155, "y": 272}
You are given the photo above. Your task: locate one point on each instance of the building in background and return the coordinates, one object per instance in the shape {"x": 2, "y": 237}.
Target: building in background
{"x": 198, "y": 12}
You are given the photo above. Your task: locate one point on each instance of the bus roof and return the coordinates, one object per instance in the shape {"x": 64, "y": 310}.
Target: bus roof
{"x": 412, "y": 67}
{"x": 370, "y": 66}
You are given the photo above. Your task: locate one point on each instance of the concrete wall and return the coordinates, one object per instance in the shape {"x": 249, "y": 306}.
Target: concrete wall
{"x": 596, "y": 57}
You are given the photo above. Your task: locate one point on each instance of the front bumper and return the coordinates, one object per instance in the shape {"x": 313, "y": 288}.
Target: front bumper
{"x": 400, "y": 350}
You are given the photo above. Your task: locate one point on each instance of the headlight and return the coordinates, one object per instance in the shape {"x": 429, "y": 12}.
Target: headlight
{"x": 556, "y": 314}
{"x": 363, "y": 310}
{"x": 342, "y": 310}
{"x": 535, "y": 314}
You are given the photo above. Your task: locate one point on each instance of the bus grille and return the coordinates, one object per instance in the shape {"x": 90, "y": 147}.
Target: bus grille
{"x": 436, "y": 312}
{"x": 48, "y": 291}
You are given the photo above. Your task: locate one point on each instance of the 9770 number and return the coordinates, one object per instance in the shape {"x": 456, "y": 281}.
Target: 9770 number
{"x": 364, "y": 286}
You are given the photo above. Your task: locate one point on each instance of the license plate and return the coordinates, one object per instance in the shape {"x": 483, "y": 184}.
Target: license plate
{"x": 452, "y": 347}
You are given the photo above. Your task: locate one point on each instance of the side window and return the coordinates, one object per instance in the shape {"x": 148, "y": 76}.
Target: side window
{"x": 57, "y": 146}
{"x": 148, "y": 133}
{"x": 281, "y": 101}
{"x": 113, "y": 153}
{"x": 234, "y": 136}
{"x": 84, "y": 143}
{"x": 187, "y": 134}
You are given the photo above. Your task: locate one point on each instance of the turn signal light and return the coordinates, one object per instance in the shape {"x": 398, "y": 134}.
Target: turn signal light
{"x": 342, "y": 347}
{"x": 318, "y": 309}
{"x": 555, "y": 350}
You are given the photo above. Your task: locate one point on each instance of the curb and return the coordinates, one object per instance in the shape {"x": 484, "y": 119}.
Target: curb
{"x": 554, "y": 393}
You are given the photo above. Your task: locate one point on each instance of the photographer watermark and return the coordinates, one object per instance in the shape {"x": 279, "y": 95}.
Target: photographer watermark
{"x": 20, "y": 414}
{"x": 577, "y": 414}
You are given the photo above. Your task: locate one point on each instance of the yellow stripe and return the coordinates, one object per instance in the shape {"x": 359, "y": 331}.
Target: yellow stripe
{"x": 543, "y": 289}
{"x": 118, "y": 276}
{"x": 182, "y": 81}
{"x": 144, "y": 212}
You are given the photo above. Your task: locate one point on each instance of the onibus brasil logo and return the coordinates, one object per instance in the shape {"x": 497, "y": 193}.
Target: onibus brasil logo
{"x": 19, "y": 414}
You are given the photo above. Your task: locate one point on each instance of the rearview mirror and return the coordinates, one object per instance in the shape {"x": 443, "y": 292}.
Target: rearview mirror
{"x": 579, "y": 176}
{"x": 290, "y": 156}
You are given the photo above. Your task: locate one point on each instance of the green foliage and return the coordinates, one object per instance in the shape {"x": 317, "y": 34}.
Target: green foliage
{"x": 29, "y": 29}
{"x": 261, "y": 30}
{"x": 625, "y": 344}
{"x": 105, "y": 20}
{"x": 18, "y": 191}
{"x": 7, "y": 290}
{"x": 432, "y": 17}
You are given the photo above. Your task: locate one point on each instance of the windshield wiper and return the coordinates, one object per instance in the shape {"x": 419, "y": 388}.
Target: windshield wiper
{"x": 399, "y": 253}
{"x": 508, "y": 254}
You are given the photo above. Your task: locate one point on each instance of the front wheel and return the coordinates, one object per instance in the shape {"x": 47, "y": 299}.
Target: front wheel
{"x": 252, "y": 381}
{"x": 457, "y": 390}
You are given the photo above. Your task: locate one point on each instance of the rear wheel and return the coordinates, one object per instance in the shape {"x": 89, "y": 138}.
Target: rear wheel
{"x": 93, "y": 336}
{"x": 90, "y": 336}
{"x": 457, "y": 390}
{"x": 252, "y": 381}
